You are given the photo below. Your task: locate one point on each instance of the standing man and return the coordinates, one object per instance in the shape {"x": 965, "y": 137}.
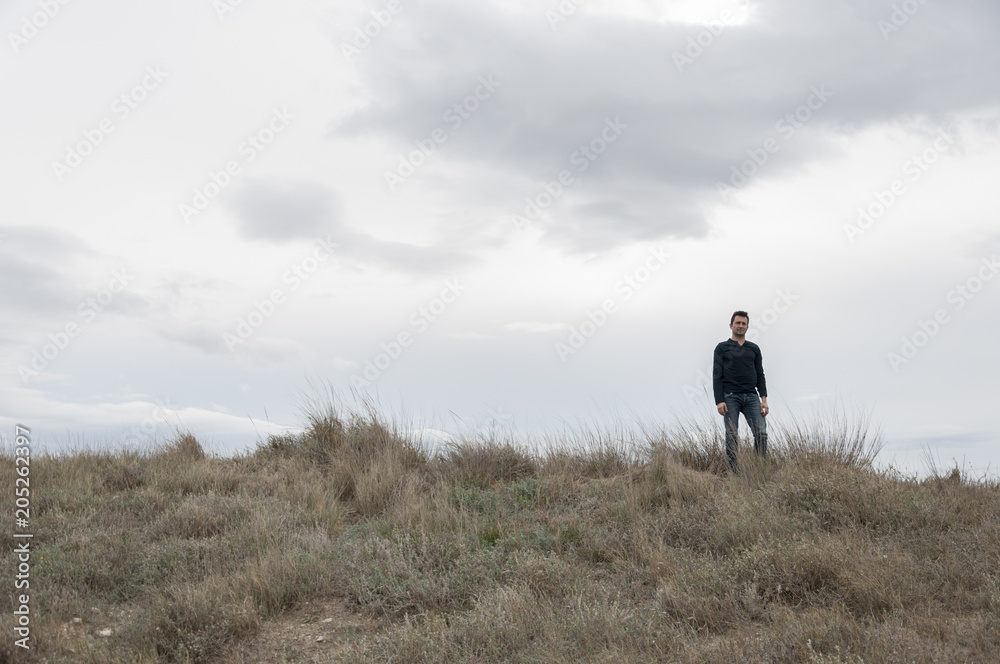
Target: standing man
{"x": 736, "y": 372}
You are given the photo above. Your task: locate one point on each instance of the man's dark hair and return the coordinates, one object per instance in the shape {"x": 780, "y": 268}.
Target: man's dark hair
{"x": 739, "y": 313}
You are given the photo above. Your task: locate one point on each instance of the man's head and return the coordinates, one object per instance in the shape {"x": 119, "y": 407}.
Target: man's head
{"x": 738, "y": 323}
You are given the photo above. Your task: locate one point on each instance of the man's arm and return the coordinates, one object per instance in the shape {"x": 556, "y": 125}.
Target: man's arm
{"x": 717, "y": 380}
{"x": 758, "y": 365}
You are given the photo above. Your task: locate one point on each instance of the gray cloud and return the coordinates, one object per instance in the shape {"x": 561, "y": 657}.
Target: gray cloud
{"x": 440, "y": 259}
{"x": 33, "y": 287}
{"x": 686, "y": 130}
{"x": 40, "y": 273}
{"x": 196, "y": 335}
{"x": 285, "y": 210}
{"x": 291, "y": 210}
{"x": 186, "y": 310}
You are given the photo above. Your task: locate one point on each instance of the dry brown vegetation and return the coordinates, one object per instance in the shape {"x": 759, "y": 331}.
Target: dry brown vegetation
{"x": 351, "y": 543}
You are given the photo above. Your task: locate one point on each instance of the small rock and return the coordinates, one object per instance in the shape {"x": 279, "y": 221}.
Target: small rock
{"x": 328, "y": 620}
{"x": 77, "y": 620}
{"x": 319, "y": 638}
{"x": 104, "y": 632}
{"x": 95, "y": 609}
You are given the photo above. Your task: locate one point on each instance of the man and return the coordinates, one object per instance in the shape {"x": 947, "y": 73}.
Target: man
{"x": 737, "y": 371}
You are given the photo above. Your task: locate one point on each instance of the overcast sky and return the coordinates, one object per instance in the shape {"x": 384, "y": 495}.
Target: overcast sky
{"x": 498, "y": 212}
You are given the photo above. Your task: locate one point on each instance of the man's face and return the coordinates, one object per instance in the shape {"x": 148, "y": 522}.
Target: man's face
{"x": 739, "y": 326}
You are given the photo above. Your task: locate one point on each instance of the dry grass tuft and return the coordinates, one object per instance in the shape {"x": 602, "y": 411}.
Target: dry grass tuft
{"x": 487, "y": 462}
{"x": 667, "y": 481}
{"x": 184, "y": 448}
{"x": 123, "y": 474}
{"x": 364, "y": 461}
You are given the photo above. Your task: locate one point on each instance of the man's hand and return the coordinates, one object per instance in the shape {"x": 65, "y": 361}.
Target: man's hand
{"x": 763, "y": 406}
{"x": 722, "y": 407}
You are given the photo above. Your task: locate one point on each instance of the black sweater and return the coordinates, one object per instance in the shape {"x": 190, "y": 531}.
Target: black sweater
{"x": 737, "y": 369}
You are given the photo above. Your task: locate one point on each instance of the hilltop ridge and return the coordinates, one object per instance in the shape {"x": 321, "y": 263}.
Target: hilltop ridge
{"x": 351, "y": 543}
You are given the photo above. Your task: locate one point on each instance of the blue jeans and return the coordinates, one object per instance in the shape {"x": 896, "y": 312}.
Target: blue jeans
{"x": 749, "y": 404}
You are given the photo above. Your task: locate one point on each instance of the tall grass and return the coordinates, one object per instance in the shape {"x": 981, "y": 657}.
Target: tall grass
{"x": 599, "y": 545}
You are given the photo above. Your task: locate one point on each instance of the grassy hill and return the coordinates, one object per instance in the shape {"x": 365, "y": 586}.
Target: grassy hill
{"x": 350, "y": 543}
